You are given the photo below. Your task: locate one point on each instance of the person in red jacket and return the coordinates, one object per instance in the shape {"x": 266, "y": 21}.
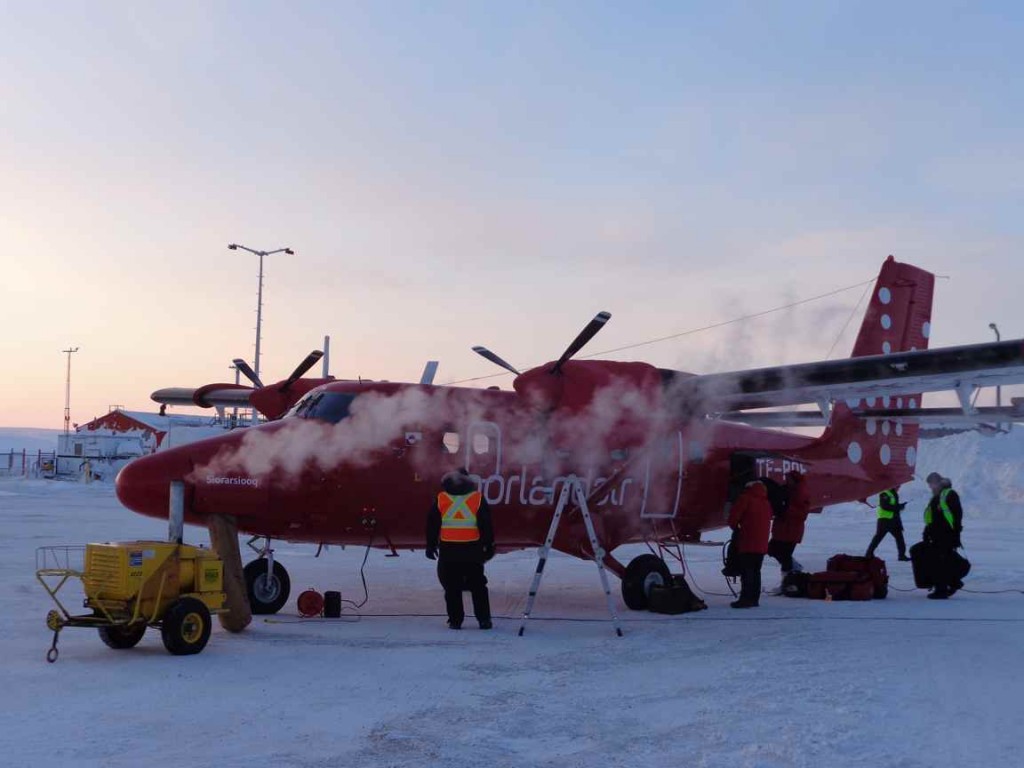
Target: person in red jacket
{"x": 788, "y": 527}
{"x": 751, "y": 517}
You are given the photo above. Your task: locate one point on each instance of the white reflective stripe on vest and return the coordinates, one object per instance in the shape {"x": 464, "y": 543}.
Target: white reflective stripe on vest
{"x": 459, "y": 504}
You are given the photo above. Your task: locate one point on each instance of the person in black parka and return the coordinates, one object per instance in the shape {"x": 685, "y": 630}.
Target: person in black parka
{"x": 943, "y": 526}
{"x": 460, "y": 536}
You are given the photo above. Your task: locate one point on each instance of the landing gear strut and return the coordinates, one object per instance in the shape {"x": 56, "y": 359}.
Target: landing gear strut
{"x": 266, "y": 580}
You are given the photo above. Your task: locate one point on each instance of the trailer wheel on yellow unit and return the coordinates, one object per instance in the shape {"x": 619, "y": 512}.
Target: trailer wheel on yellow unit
{"x": 186, "y": 626}
{"x": 121, "y": 637}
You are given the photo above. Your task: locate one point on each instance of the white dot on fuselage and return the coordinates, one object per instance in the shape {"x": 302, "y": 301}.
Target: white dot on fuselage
{"x": 853, "y": 452}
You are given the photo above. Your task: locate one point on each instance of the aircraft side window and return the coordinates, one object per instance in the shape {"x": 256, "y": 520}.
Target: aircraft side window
{"x": 451, "y": 442}
{"x": 481, "y": 444}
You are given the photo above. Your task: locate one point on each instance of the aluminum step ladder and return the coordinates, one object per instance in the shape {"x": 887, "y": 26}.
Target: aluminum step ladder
{"x": 572, "y": 490}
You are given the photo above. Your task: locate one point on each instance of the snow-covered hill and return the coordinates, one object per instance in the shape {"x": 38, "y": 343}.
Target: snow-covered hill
{"x": 28, "y": 439}
{"x": 987, "y": 472}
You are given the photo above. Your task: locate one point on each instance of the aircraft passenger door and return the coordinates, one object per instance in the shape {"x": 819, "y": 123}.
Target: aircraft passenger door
{"x": 483, "y": 449}
{"x": 663, "y": 478}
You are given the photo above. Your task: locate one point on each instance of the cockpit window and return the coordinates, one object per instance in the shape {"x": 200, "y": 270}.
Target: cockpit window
{"x": 331, "y": 407}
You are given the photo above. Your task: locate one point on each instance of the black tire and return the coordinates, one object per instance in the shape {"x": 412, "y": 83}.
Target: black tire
{"x": 121, "y": 638}
{"x": 642, "y": 574}
{"x": 263, "y": 599}
{"x": 186, "y": 626}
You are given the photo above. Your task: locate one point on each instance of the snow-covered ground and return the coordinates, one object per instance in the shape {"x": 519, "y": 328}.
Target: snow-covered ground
{"x": 902, "y": 682}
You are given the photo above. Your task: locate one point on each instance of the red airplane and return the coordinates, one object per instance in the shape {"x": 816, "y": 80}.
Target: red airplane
{"x": 661, "y": 453}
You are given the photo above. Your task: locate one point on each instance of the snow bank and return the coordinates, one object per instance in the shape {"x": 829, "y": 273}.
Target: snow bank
{"x": 28, "y": 439}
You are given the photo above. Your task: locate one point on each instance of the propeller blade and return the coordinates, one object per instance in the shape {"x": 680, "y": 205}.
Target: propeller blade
{"x": 311, "y": 359}
{"x": 580, "y": 341}
{"x": 429, "y": 372}
{"x": 485, "y": 353}
{"x": 245, "y": 370}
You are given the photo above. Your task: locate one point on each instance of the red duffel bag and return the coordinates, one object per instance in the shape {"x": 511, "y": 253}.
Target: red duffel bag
{"x": 840, "y": 585}
{"x": 874, "y": 567}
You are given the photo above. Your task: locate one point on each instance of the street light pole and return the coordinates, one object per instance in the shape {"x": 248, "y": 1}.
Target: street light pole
{"x": 67, "y": 391}
{"x": 259, "y": 299}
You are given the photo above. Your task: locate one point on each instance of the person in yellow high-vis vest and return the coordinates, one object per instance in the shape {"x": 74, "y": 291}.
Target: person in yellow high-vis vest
{"x": 889, "y": 522}
{"x": 943, "y": 525}
{"x": 460, "y": 537}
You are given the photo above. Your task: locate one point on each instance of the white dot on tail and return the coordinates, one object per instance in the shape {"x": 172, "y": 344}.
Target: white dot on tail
{"x": 885, "y": 454}
{"x": 872, "y": 426}
{"x": 886, "y": 322}
{"x": 886, "y": 347}
{"x": 853, "y": 403}
{"x": 885, "y": 428}
{"x": 899, "y": 402}
{"x": 853, "y": 452}
{"x": 926, "y": 330}
{"x": 899, "y": 429}
{"x": 911, "y": 456}
{"x": 884, "y": 295}
{"x": 913, "y": 403}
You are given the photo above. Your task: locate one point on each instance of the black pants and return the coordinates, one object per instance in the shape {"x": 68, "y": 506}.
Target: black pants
{"x": 457, "y": 576}
{"x": 750, "y": 580}
{"x": 893, "y": 526}
{"x": 783, "y": 552}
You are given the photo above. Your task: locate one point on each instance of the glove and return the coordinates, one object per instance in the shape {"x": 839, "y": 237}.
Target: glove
{"x": 488, "y": 551}
{"x": 431, "y": 554}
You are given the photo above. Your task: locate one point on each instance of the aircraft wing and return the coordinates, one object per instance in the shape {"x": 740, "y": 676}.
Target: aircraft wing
{"x": 959, "y": 369}
{"x": 923, "y": 416}
{"x": 210, "y": 396}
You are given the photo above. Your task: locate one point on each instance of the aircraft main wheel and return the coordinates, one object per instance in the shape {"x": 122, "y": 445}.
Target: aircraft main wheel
{"x": 122, "y": 637}
{"x": 643, "y": 573}
{"x": 266, "y": 595}
{"x": 186, "y": 626}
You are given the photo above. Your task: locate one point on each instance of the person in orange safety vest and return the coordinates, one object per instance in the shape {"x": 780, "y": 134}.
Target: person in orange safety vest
{"x": 460, "y": 537}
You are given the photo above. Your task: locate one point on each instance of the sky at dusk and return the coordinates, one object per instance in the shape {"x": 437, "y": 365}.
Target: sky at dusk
{"x": 452, "y": 174}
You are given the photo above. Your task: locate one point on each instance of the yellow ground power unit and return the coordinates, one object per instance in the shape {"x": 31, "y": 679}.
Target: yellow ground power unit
{"x": 132, "y": 585}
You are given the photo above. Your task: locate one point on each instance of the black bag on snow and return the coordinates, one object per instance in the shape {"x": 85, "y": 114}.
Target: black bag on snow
{"x": 794, "y": 584}
{"x": 928, "y": 563}
{"x": 924, "y": 561}
{"x": 675, "y": 598}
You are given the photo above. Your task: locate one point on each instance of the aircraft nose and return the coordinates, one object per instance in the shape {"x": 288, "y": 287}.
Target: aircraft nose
{"x": 143, "y": 485}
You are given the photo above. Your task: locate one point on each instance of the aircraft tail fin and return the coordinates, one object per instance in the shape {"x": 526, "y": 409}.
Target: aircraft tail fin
{"x": 898, "y": 319}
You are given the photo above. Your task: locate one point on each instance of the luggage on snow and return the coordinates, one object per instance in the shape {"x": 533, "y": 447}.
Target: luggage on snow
{"x": 840, "y": 585}
{"x": 674, "y": 598}
{"x": 927, "y": 561}
{"x": 874, "y": 567}
{"x": 849, "y": 577}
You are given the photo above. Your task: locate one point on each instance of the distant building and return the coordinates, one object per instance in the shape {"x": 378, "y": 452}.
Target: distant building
{"x": 107, "y": 443}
